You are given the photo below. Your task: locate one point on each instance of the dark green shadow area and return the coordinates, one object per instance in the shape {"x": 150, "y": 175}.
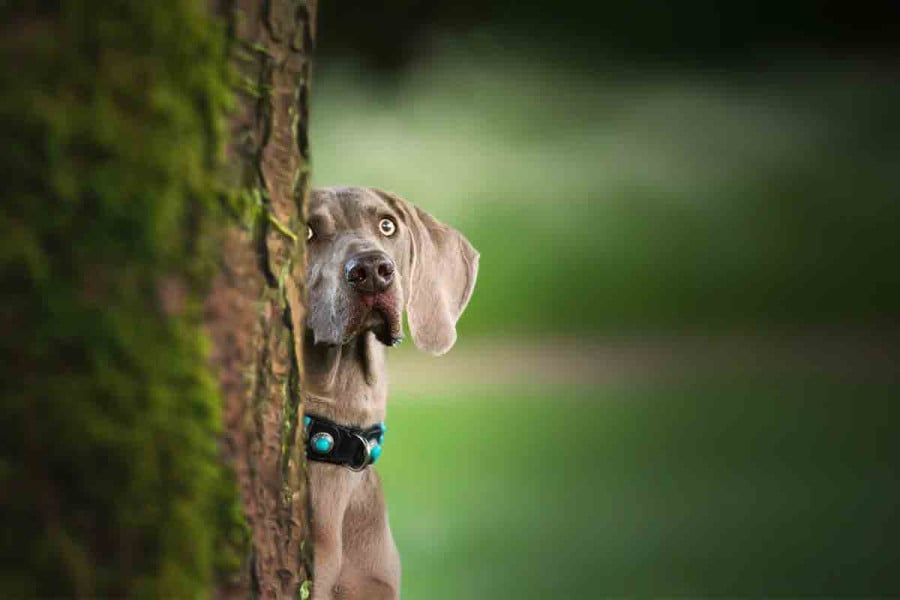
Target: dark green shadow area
{"x": 707, "y": 487}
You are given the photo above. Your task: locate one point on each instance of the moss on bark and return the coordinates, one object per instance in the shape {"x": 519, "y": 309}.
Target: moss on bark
{"x": 113, "y": 116}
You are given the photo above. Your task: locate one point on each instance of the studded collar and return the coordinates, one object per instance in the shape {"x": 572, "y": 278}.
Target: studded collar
{"x": 351, "y": 447}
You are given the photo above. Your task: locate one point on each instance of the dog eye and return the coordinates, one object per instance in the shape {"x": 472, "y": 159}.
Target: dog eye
{"x": 310, "y": 234}
{"x": 387, "y": 227}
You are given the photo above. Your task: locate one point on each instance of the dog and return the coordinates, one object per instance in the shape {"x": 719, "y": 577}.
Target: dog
{"x": 370, "y": 256}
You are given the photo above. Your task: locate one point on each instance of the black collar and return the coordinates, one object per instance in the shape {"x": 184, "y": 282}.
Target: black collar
{"x": 350, "y": 447}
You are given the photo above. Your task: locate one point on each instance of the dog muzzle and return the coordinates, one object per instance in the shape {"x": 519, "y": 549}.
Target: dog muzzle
{"x": 350, "y": 447}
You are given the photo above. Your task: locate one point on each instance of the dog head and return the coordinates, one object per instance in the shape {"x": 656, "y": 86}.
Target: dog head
{"x": 370, "y": 255}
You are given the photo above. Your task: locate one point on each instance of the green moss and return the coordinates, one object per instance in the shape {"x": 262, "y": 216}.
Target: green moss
{"x": 282, "y": 228}
{"x": 111, "y": 483}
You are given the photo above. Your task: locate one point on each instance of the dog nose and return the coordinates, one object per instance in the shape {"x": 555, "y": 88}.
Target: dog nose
{"x": 370, "y": 273}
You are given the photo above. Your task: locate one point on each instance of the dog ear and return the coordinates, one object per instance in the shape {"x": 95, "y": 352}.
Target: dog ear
{"x": 443, "y": 266}
{"x": 442, "y": 276}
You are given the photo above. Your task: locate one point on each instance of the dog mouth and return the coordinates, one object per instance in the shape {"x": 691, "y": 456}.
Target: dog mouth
{"x": 380, "y": 314}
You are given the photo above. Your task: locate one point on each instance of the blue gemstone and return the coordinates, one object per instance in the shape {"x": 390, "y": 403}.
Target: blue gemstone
{"x": 376, "y": 452}
{"x": 322, "y": 443}
{"x": 307, "y": 421}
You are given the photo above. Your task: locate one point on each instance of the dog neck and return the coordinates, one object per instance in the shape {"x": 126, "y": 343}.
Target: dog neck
{"x": 346, "y": 384}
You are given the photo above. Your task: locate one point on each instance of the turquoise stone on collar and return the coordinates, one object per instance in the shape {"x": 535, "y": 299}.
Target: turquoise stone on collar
{"x": 322, "y": 443}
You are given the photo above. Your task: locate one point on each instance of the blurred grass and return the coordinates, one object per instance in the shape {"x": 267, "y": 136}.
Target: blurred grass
{"x": 720, "y": 486}
{"x": 607, "y": 199}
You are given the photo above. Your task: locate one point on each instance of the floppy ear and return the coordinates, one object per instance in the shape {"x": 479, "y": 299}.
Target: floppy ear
{"x": 443, "y": 268}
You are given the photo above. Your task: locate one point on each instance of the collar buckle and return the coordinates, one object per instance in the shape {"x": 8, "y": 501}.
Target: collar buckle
{"x": 366, "y": 453}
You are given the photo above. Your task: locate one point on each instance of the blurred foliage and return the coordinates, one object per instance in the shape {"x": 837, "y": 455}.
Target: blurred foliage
{"x": 111, "y": 483}
{"x": 393, "y": 34}
{"x": 643, "y": 167}
{"x": 615, "y": 198}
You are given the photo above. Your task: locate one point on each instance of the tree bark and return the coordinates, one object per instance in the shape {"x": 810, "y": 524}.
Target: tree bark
{"x": 255, "y": 305}
{"x": 154, "y": 158}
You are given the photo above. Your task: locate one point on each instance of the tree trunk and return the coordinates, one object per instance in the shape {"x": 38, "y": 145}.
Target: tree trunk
{"x": 255, "y": 304}
{"x": 154, "y": 161}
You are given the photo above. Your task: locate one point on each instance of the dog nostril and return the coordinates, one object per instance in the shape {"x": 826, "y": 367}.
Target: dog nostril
{"x": 357, "y": 274}
{"x": 385, "y": 269}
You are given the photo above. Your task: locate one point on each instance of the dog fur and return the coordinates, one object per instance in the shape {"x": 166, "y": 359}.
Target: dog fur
{"x": 346, "y": 334}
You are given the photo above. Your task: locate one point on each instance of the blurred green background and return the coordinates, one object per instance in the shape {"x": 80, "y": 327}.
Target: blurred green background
{"x": 678, "y": 372}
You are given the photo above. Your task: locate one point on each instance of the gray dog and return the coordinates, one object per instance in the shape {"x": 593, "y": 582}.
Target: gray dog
{"x": 370, "y": 256}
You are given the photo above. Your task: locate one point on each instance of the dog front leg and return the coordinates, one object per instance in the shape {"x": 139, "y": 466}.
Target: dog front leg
{"x": 329, "y": 492}
{"x": 328, "y": 556}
